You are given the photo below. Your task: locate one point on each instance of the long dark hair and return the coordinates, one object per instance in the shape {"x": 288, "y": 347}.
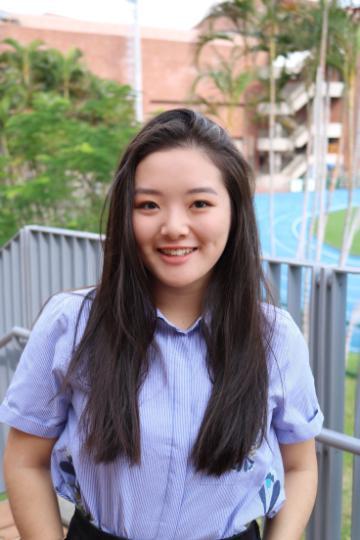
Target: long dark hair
{"x": 113, "y": 351}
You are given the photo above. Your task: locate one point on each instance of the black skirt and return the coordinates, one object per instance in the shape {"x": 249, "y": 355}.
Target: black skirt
{"x": 81, "y": 529}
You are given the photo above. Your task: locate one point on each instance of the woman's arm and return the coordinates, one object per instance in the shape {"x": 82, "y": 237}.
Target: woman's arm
{"x": 300, "y": 465}
{"x": 27, "y": 476}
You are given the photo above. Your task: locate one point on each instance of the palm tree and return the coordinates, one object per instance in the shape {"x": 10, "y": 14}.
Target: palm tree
{"x": 262, "y": 27}
{"x": 227, "y": 81}
{"x": 353, "y": 123}
{"x": 234, "y": 22}
{"x": 24, "y": 59}
{"x": 64, "y": 72}
{"x": 328, "y": 48}
{"x": 352, "y": 219}
{"x": 320, "y": 124}
{"x": 269, "y": 26}
{"x": 231, "y": 19}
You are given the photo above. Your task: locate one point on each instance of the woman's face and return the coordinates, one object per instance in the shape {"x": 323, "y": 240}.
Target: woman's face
{"x": 181, "y": 217}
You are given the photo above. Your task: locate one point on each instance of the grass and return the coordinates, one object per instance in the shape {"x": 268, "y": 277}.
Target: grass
{"x": 3, "y": 496}
{"x": 334, "y": 232}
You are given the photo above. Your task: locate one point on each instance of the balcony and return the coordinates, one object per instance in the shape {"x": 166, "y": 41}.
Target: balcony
{"x": 298, "y": 139}
{"x": 296, "y": 95}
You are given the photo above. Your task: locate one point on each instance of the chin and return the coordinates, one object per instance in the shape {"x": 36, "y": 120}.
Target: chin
{"x": 178, "y": 285}
{"x": 184, "y": 284}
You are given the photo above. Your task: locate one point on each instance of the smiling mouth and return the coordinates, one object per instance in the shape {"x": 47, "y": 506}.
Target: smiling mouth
{"x": 178, "y": 252}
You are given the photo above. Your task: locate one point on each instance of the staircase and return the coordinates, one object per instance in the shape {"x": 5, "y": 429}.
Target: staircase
{"x": 294, "y": 97}
{"x": 296, "y": 168}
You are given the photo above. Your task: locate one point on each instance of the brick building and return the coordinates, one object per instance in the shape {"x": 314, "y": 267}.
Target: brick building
{"x": 168, "y": 56}
{"x": 168, "y": 73}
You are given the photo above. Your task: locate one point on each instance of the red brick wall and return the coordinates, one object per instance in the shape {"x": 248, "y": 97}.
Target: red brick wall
{"x": 168, "y": 66}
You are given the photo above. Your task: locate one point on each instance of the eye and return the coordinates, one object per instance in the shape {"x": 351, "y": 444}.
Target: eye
{"x": 201, "y": 204}
{"x": 146, "y": 205}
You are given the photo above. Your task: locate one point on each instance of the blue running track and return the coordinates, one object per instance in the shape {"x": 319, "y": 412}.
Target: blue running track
{"x": 288, "y": 212}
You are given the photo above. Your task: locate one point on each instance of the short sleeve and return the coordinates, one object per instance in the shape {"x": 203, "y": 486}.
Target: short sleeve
{"x": 35, "y": 401}
{"x": 296, "y": 414}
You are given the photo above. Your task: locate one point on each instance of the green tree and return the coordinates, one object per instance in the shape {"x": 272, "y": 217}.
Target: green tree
{"x": 65, "y": 73}
{"x": 23, "y": 60}
{"x": 60, "y": 146}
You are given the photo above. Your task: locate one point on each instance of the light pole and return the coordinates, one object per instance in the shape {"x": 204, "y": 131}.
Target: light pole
{"x": 137, "y": 63}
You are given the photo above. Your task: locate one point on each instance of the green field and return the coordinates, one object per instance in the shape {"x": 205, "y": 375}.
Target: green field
{"x": 334, "y": 232}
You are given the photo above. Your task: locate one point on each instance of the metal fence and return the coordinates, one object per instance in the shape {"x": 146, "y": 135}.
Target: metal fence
{"x": 317, "y": 298}
{"x": 40, "y": 261}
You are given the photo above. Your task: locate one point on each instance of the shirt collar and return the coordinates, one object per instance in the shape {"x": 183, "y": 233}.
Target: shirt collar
{"x": 169, "y": 324}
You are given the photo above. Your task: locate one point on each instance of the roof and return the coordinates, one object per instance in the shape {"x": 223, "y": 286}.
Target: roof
{"x": 68, "y": 24}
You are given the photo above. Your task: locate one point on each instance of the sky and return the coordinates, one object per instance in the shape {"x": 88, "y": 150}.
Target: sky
{"x": 177, "y": 14}
{"x": 180, "y": 14}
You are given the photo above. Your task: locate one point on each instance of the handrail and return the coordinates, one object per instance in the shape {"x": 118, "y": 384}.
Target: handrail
{"x": 339, "y": 440}
{"x": 17, "y": 332}
{"x": 309, "y": 264}
{"x": 54, "y": 230}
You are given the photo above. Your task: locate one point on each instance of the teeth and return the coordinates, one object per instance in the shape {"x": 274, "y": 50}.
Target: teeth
{"x": 177, "y": 252}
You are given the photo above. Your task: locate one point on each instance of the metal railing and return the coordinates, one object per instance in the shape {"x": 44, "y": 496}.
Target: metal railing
{"x": 316, "y": 296}
{"x": 40, "y": 261}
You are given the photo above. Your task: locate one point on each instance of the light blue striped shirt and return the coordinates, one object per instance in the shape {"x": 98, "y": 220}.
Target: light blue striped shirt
{"x": 163, "y": 498}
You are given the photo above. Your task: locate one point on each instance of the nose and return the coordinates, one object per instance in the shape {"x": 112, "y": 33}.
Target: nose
{"x": 175, "y": 224}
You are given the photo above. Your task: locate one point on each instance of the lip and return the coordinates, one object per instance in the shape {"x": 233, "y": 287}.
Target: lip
{"x": 176, "y": 259}
{"x": 177, "y": 247}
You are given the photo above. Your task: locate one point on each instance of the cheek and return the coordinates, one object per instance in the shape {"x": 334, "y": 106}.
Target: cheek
{"x": 227, "y": 221}
{"x": 138, "y": 230}
{"x": 143, "y": 231}
{"x": 217, "y": 230}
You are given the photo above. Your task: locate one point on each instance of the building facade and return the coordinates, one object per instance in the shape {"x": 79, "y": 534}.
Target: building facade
{"x": 168, "y": 74}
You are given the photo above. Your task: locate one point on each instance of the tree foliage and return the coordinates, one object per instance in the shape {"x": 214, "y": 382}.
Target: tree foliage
{"x": 274, "y": 28}
{"x": 62, "y": 131}
{"x": 271, "y": 28}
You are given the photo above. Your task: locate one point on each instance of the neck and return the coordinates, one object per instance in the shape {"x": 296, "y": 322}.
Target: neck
{"x": 182, "y": 308}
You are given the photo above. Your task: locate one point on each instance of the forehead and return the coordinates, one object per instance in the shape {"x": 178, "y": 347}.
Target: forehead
{"x": 178, "y": 167}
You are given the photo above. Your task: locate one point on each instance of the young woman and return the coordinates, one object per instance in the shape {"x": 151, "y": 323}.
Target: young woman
{"x": 168, "y": 402}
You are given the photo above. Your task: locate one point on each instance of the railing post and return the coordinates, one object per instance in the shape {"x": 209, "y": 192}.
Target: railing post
{"x": 328, "y": 304}
{"x": 3, "y": 431}
{"x": 26, "y": 277}
{"x": 317, "y": 308}
{"x": 355, "y": 514}
{"x": 294, "y": 293}
{"x": 9, "y": 358}
{"x": 274, "y": 280}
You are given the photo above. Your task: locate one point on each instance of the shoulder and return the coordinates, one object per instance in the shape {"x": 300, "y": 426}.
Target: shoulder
{"x": 286, "y": 342}
{"x": 66, "y": 306}
{"x": 36, "y": 401}
{"x": 282, "y": 324}
{"x": 295, "y": 411}
{"x": 63, "y": 316}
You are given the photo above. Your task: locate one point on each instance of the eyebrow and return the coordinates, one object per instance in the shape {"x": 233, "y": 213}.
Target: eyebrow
{"x": 148, "y": 191}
